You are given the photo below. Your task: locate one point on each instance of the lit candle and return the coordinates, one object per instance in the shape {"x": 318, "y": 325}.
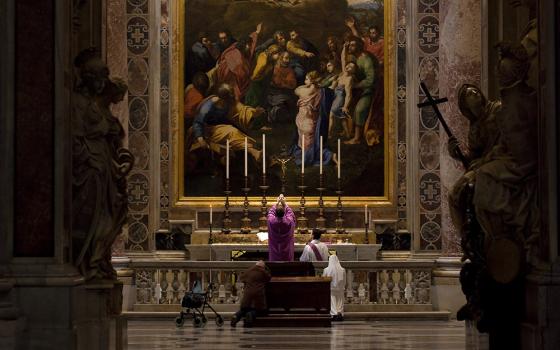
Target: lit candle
{"x": 245, "y": 155}
{"x": 227, "y": 159}
{"x": 302, "y": 154}
{"x": 321, "y": 154}
{"x": 339, "y": 158}
{"x": 365, "y": 214}
{"x": 210, "y": 214}
{"x": 264, "y": 154}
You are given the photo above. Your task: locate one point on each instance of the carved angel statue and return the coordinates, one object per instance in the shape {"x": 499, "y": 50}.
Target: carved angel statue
{"x": 100, "y": 165}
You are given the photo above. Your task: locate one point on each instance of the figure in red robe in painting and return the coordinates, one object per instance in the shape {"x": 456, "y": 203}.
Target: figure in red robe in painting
{"x": 235, "y": 65}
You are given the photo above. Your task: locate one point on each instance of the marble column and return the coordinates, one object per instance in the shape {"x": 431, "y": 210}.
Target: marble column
{"x": 116, "y": 56}
{"x": 460, "y": 63}
{"x": 116, "y": 51}
{"x": 541, "y": 326}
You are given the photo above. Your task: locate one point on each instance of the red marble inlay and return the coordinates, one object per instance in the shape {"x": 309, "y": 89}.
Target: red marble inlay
{"x": 34, "y": 105}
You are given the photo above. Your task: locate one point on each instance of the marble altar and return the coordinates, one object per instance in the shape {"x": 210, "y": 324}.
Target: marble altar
{"x": 223, "y": 251}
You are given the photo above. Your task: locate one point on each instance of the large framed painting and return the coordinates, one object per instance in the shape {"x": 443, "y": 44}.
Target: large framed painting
{"x": 276, "y": 88}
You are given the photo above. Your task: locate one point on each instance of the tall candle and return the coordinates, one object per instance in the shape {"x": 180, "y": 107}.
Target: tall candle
{"x": 227, "y": 159}
{"x": 339, "y": 158}
{"x": 365, "y": 214}
{"x": 302, "y": 154}
{"x": 264, "y": 154}
{"x": 321, "y": 154}
{"x": 210, "y": 214}
{"x": 245, "y": 155}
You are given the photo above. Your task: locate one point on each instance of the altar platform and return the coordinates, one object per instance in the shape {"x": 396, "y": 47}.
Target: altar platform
{"x": 230, "y": 251}
{"x": 349, "y": 246}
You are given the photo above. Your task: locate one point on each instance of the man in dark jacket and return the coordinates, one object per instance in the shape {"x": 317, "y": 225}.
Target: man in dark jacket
{"x": 253, "y": 302}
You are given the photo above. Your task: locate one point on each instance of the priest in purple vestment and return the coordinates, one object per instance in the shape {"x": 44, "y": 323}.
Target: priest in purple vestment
{"x": 281, "y": 225}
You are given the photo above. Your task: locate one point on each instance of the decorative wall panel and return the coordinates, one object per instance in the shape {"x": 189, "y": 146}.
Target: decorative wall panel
{"x": 138, "y": 61}
{"x": 429, "y": 191}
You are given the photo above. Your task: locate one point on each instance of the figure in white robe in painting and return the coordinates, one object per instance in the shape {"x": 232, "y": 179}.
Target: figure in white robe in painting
{"x": 338, "y": 280}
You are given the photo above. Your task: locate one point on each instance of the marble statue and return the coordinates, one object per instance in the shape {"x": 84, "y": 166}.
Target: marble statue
{"x": 99, "y": 168}
{"x": 494, "y": 203}
{"x": 483, "y": 135}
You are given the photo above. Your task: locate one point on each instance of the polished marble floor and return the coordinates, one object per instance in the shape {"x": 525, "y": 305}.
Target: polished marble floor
{"x": 381, "y": 335}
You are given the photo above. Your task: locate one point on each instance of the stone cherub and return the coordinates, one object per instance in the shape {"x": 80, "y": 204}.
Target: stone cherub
{"x": 99, "y": 168}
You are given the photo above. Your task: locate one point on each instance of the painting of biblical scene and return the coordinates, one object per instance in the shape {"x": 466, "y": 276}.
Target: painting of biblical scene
{"x": 293, "y": 70}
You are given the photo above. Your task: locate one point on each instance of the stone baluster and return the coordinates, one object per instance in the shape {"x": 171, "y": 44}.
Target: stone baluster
{"x": 229, "y": 286}
{"x": 176, "y": 285}
{"x": 158, "y": 290}
{"x": 383, "y": 289}
{"x": 408, "y": 290}
{"x": 361, "y": 293}
{"x": 169, "y": 292}
{"x": 162, "y": 289}
{"x": 396, "y": 292}
{"x": 349, "y": 284}
{"x": 239, "y": 288}
{"x": 182, "y": 285}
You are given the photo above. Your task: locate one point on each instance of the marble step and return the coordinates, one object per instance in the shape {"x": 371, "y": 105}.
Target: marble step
{"x": 221, "y": 308}
{"x": 379, "y": 315}
{"x": 293, "y": 320}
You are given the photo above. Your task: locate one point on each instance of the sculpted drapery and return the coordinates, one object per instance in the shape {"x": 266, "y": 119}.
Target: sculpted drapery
{"x": 99, "y": 168}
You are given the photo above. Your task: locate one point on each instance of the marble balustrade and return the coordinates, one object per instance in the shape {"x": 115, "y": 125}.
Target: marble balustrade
{"x": 401, "y": 285}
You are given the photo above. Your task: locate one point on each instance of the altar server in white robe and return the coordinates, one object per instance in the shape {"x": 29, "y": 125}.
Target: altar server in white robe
{"x": 315, "y": 250}
{"x": 338, "y": 281}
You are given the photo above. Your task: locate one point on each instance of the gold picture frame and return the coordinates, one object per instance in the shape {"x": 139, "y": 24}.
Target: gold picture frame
{"x": 180, "y": 202}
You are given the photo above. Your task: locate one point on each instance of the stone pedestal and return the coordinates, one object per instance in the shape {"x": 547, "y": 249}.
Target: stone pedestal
{"x": 95, "y": 309}
{"x": 63, "y": 313}
{"x": 541, "y": 327}
{"x": 446, "y": 292}
{"x": 11, "y": 323}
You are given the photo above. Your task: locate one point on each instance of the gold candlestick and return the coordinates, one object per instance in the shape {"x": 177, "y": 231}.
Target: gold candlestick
{"x": 263, "y": 226}
{"x": 302, "y": 220}
{"x": 321, "y": 220}
{"x": 366, "y": 240}
{"x": 339, "y": 220}
{"x": 246, "y": 221}
{"x": 226, "y": 222}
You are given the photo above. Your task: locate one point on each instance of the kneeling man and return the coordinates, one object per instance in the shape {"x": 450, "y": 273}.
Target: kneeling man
{"x": 253, "y": 303}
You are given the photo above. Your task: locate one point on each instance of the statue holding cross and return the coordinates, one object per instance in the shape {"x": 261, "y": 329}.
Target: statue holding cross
{"x": 431, "y": 102}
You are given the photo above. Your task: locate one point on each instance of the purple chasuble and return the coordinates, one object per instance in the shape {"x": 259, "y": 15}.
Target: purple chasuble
{"x": 281, "y": 235}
